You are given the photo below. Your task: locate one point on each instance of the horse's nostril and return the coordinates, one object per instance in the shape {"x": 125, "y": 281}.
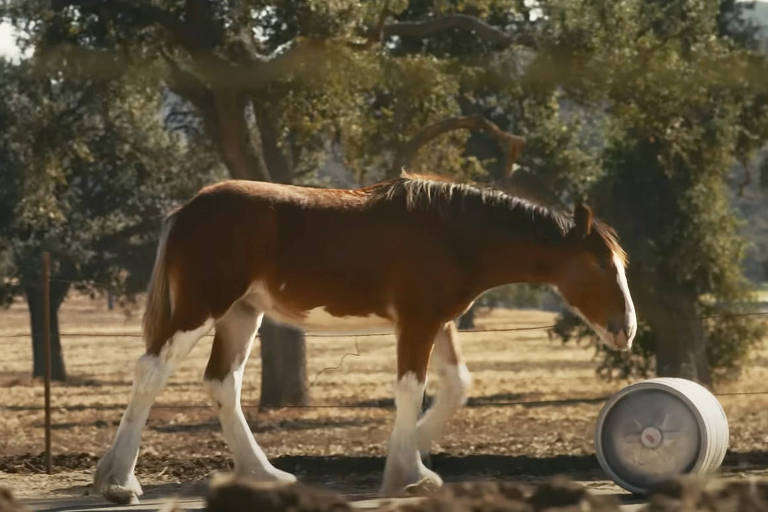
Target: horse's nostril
{"x": 615, "y": 327}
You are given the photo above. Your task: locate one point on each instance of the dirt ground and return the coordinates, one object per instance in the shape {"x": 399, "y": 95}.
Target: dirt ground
{"x": 337, "y": 447}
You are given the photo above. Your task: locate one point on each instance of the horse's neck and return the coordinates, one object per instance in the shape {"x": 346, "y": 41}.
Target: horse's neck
{"x": 510, "y": 259}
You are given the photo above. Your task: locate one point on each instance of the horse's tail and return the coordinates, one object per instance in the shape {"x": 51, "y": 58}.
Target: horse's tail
{"x": 157, "y": 316}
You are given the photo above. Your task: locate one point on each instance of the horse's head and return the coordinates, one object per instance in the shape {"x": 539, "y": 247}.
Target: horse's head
{"x": 593, "y": 281}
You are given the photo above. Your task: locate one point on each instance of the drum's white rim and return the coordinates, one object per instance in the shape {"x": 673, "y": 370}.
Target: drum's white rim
{"x": 662, "y": 384}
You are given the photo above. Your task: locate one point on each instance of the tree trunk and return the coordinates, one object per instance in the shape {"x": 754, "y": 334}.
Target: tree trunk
{"x": 680, "y": 339}
{"x": 283, "y": 366}
{"x": 274, "y": 158}
{"x": 253, "y": 153}
{"x": 242, "y": 156}
{"x": 34, "y": 294}
{"x": 283, "y": 349}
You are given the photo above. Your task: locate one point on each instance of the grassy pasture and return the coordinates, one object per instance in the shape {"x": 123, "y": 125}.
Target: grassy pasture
{"x": 185, "y": 443}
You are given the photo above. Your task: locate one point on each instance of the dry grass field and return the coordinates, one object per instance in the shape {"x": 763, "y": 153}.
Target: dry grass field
{"x": 340, "y": 447}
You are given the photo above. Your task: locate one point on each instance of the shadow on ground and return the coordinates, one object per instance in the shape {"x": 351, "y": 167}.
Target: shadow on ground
{"x": 349, "y": 467}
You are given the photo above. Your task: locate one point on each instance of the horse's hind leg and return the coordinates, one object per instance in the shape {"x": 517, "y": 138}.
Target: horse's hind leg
{"x": 455, "y": 382}
{"x": 235, "y": 332}
{"x": 114, "y": 476}
{"x": 404, "y": 471}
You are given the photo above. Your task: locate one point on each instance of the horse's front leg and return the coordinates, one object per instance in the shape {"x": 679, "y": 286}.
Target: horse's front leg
{"x": 404, "y": 471}
{"x": 455, "y": 382}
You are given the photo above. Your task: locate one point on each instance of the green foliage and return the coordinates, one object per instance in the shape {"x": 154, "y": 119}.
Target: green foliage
{"x": 680, "y": 107}
{"x": 639, "y": 362}
{"x": 730, "y": 337}
{"x": 524, "y": 296}
{"x": 640, "y": 106}
{"x": 88, "y": 171}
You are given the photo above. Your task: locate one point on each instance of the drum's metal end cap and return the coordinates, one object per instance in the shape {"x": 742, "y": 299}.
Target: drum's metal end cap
{"x": 651, "y": 437}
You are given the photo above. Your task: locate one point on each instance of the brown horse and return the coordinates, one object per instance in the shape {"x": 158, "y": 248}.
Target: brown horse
{"x": 415, "y": 251}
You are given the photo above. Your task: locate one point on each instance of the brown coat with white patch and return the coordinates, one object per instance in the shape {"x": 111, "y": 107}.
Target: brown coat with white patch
{"x": 415, "y": 251}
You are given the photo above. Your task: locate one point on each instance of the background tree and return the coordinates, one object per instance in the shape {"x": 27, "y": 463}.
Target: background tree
{"x": 71, "y": 185}
{"x": 343, "y": 92}
{"x": 684, "y": 104}
{"x": 277, "y": 86}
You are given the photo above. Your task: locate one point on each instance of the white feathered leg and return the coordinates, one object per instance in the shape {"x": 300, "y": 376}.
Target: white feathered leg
{"x": 455, "y": 382}
{"x": 114, "y": 477}
{"x": 223, "y": 380}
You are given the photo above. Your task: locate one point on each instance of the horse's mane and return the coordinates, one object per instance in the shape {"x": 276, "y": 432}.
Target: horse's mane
{"x": 611, "y": 239}
{"x": 453, "y": 200}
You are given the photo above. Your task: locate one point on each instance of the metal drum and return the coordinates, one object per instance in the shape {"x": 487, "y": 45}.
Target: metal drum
{"x": 660, "y": 428}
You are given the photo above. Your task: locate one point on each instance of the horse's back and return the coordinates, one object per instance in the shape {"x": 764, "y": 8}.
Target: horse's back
{"x": 218, "y": 240}
{"x": 305, "y": 247}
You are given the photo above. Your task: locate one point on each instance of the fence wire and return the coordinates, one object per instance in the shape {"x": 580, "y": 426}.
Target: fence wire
{"x": 381, "y": 404}
{"x": 384, "y": 404}
{"x": 306, "y": 335}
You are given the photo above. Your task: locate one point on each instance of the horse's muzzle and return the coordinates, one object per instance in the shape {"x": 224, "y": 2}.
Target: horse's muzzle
{"x": 621, "y": 340}
{"x": 623, "y": 334}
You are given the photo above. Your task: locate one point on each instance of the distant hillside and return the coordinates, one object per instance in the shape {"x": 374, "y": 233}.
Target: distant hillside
{"x": 753, "y": 206}
{"x": 753, "y": 209}
{"x": 759, "y": 16}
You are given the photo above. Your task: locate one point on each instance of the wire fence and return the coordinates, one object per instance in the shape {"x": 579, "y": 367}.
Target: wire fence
{"x": 106, "y": 334}
{"x": 135, "y": 334}
{"x": 382, "y": 404}
{"x": 379, "y": 404}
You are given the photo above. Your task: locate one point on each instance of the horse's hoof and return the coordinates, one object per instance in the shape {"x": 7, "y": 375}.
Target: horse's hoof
{"x": 272, "y": 474}
{"x": 427, "y": 482}
{"x": 120, "y": 490}
{"x": 426, "y": 486}
{"x": 120, "y": 495}
{"x": 283, "y": 477}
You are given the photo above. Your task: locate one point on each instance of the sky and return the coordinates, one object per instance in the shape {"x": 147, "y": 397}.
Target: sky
{"x": 7, "y": 44}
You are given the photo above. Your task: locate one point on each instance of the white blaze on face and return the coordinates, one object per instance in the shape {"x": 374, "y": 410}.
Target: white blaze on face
{"x": 620, "y": 340}
{"x": 630, "y": 321}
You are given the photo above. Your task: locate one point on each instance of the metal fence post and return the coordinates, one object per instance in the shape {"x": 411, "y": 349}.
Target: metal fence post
{"x": 47, "y": 343}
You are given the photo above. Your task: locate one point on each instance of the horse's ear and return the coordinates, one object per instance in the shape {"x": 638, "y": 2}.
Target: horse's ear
{"x": 582, "y": 216}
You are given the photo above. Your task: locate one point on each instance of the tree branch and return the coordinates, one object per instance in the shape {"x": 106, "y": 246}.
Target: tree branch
{"x": 236, "y": 141}
{"x": 84, "y": 63}
{"x": 374, "y": 34}
{"x": 223, "y": 113}
{"x": 512, "y": 145}
{"x": 198, "y": 34}
{"x": 532, "y": 187}
{"x": 481, "y": 28}
{"x": 187, "y": 85}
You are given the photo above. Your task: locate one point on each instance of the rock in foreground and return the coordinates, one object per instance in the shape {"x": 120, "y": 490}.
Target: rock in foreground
{"x": 238, "y": 494}
{"x": 8, "y": 503}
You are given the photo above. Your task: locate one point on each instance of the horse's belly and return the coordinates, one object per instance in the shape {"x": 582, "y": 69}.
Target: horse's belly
{"x": 288, "y": 308}
{"x": 259, "y": 296}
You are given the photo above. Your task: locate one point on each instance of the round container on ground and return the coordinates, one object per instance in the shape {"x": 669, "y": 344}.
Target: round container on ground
{"x": 660, "y": 428}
